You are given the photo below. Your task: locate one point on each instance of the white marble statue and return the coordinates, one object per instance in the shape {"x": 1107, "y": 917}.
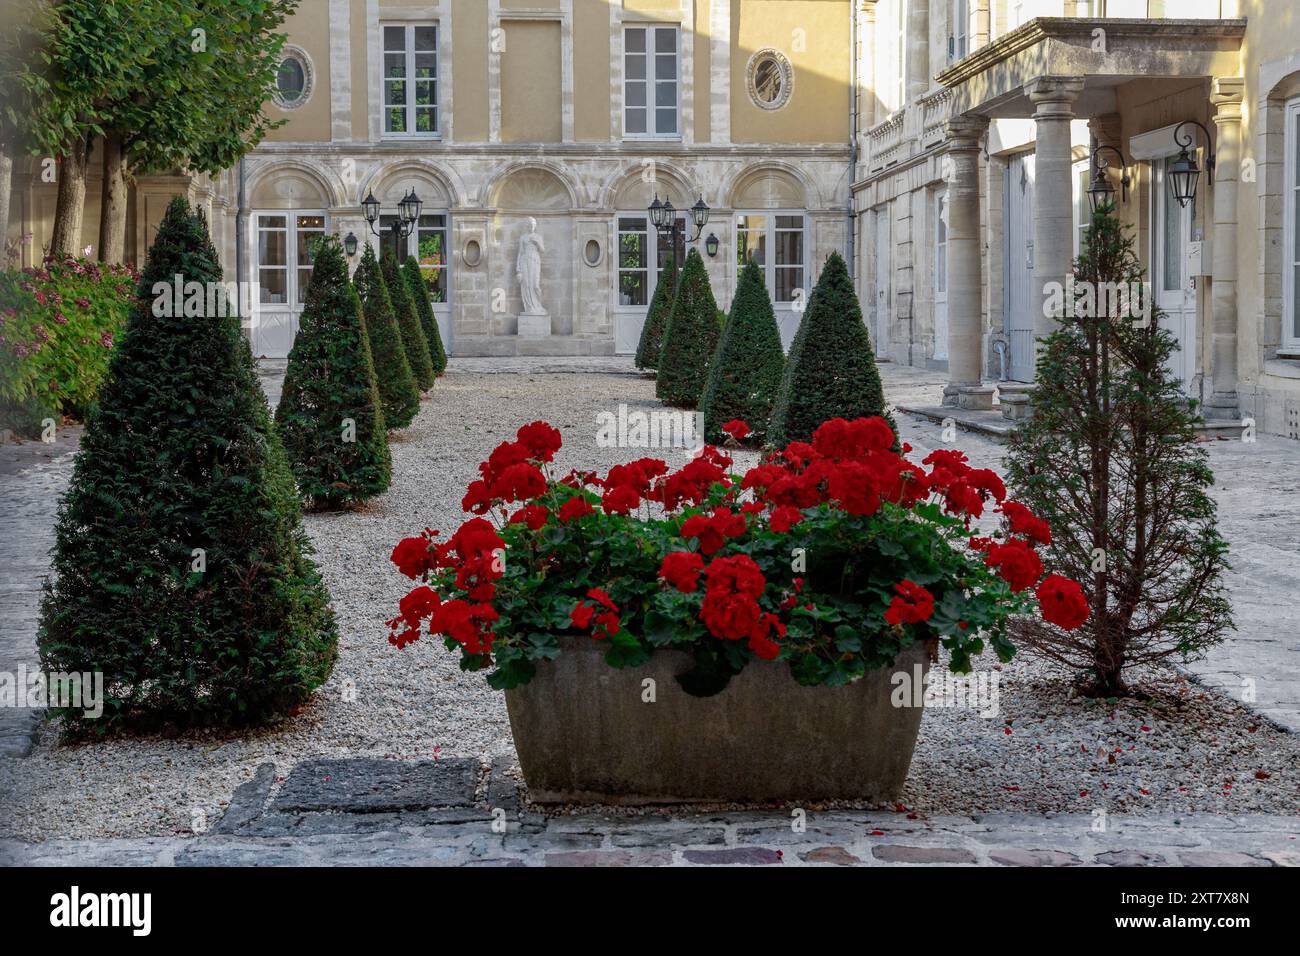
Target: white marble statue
{"x": 528, "y": 267}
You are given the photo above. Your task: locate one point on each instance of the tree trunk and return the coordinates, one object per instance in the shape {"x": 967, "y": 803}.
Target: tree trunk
{"x": 71, "y": 204}
{"x": 6, "y": 184}
{"x": 112, "y": 209}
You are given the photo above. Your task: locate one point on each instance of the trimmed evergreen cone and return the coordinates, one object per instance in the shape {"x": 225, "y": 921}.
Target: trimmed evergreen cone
{"x": 397, "y": 391}
{"x": 329, "y": 417}
{"x": 1110, "y": 460}
{"x": 408, "y": 320}
{"x": 690, "y": 338}
{"x": 651, "y": 343}
{"x": 831, "y": 370}
{"x": 181, "y": 571}
{"x": 745, "y": 375}
{"x": 418, "y": 290}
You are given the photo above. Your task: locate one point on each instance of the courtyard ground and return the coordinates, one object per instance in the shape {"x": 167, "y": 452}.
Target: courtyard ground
{"x": 1193, "y": 771}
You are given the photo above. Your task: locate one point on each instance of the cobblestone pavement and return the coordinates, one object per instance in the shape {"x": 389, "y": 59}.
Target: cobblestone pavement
{"x": 1259, "y": 517}
{"x": 457, "y": 813}
{"x": 33, "y": 476}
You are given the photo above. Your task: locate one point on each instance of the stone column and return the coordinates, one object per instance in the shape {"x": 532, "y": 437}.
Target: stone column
{"x": 965, "y": 291}
{"x": 1053, "y": 97}
{"x": 1226, "y": 95}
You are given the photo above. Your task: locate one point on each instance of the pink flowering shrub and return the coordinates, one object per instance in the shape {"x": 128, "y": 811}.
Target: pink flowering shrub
{"x": 57, "y": 326}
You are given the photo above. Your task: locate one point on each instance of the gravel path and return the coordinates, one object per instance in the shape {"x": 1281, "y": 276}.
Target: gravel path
{"x": 1187, "y": 749}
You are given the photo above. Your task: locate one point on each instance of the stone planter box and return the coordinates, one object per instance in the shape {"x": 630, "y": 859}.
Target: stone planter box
{"x": 585, "y": 735}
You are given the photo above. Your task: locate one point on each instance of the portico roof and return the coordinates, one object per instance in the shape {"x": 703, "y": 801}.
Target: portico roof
{"x": 1106, "y": 53}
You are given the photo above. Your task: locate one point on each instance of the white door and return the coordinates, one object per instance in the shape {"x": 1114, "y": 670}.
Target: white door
{"x": 941, "y": 276}
{"x": 1018, "y": 239}
{"x": 775, "y": 240}
{"x": 282, "y": 243}
{"x": 638, "y": 246}
{"x": 883, "y": 258}
{"x": 1175, "y": 295}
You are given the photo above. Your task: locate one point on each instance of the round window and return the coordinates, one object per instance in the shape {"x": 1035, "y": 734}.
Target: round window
{"x": 771, "y": 80}
{"x": 293, "y": 79}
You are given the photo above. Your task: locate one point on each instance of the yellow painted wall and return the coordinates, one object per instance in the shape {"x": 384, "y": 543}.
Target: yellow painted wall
{"x": 310, "y": 31}
{"x": 469, "y": 30}
{"x": 818, "y": 112}
{"x": 593, "y": 51}
{"x": 632, "y": 9}
{"x": 527, "y": 4}
{"x": 701, "y": 68}
{"x": 531, "y": 82}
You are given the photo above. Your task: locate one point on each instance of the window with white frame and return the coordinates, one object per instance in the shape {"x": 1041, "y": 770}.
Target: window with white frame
{"x": 639, "y": 244}
{"x": 428, "y": 244}
{"x": 284, "y": 255}
{"x": 958, "y": 41}
{"x": 1082, "y": 205}
{"x": 775, "y": 240}
{"x": 650, "y": 81}
{"x": 1291, "y": 242}
{"x": 410, "y": 83}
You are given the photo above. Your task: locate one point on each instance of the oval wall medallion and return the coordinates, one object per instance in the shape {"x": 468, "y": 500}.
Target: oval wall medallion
{"x": 472, "y": 253}
{"x": 770, "y": 79}
{"x": 592, "y": 252}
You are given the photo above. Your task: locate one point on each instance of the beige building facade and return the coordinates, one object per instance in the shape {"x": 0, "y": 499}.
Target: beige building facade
{"x": 976, "y": 154}
{"x": 571, "y": 114}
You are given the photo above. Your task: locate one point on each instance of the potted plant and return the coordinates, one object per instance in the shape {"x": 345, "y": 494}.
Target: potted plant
{"x": 694, "y": 634}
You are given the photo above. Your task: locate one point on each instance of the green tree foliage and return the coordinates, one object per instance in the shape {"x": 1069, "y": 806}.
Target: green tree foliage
{"x": 745, "y": 375}
{"x": 397, "y": 390}
{"x": 1110, "y": 460}
{"x": 408, "y": 321}
{"x": 181, "y": 571}
{"x": 690, "y": 338}
{"x": 418, "y": 290}
{"x": 831, "y": 371}
{"x": 651, "y": 344}
{"x": 329, "y": 416}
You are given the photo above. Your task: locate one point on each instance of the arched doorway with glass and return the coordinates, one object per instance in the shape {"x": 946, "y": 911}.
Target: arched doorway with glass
{"x": 288, "y": 213}
{"x": 771, "y": 225}
{"x": 428, "y": 242}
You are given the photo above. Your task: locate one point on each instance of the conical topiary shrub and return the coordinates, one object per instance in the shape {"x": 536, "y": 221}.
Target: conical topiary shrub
{"x": 329, "y": 417}
{"x": 397, "y": 391}
{"x": 651, "y": 343}
{"x": 181, "y": 570}
{"x": 690, "y": 338}
{"x": 831, "y": 371}
{"x": 418, "y": 290}
{"x": 408, "y": 320}
{"x": 745, "y": 374}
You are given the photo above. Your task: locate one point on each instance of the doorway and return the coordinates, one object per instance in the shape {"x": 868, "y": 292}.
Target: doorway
{"x": 1019, "y": 274}
{"x": 1172, "y": 273}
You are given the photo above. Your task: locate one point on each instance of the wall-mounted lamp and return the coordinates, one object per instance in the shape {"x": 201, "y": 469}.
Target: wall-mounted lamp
{"x": 711, "y": 245}
{"x": 1101, "y": 191}
{"x": 350, "y": 244}
{"x": 1185, "y": 174}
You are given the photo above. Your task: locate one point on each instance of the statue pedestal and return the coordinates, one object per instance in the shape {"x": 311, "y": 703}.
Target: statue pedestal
{"x": 534, "y": 325}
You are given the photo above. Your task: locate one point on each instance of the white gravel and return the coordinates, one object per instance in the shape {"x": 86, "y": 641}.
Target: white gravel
{"x": 1177, "y": 751}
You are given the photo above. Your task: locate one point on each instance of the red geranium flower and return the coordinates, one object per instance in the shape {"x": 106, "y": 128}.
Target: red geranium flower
{"x": 575, "y": 508}
{"x": 913, "y": 604}
{"x": 1017, "y": 563}
{"x": 534, "y": 516}
{"x": 620, "y": 500}
{"x": 736, "y": 429}
{"x": 713, "y": 530}
{"x": 784, "y": 518}
{"x": 682, "y": 570}
{"x": 540, "y": 440}
{"x": 519, "y": 482}
{"x": 412, "y": 556}
{"x": 1023, "y": 521}
{"x": 1062, "y": 601}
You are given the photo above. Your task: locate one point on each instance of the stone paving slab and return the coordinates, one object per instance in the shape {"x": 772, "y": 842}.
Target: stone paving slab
{"x": 449, "y": 813}
{"x": 866, "y": 840}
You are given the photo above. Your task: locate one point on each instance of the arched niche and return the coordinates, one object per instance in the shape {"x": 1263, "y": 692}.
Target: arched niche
{"x": 531, "y": 189}
{"x": 391, "y": 185}
{"x": 289, "y": 188}
{"x": 769, "y": 188}
{"x": 638, "y": 189}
